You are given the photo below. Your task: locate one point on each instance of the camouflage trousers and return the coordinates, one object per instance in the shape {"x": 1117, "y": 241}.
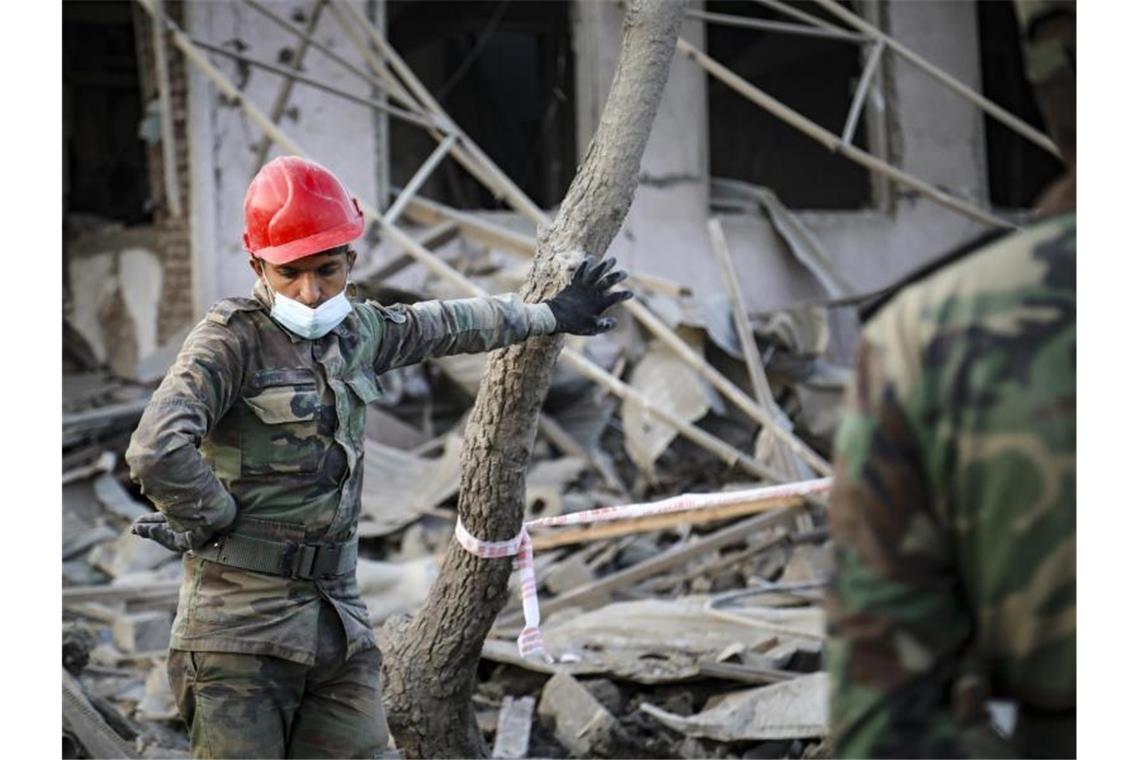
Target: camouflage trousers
{"x": 257, "y": 706}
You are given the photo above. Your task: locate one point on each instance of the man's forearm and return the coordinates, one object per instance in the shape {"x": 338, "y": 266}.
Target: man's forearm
{"x": 172, "y": 473}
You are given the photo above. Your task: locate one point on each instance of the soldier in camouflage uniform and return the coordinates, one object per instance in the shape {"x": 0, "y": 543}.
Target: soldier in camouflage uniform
{"x": 251, "y": 449}
{"x": 954, "y": 505}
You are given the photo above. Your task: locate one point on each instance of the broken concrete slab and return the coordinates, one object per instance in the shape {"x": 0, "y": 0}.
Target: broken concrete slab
{"x": 158, "y": 703}
{"x": 579, "y": 721}
{"x": 668, "y": 383}
{"x": 386, "y": 428}
{"x": 88, "y": 726}
{"x": 389, "y": 588}
{"x": 129, "y": 554}
{"x": 77, "y": 542}
{"x": 808, "y": 563}
{"x": 787, "y": 710}
{"x": 400, "y": 487}
{"x": 142, "y": 631}
{"x": 111, "y": 494}
{"x": 153, "y": 366}
{"x": 546, "y": 482}
{"x": 658, "y": 640}
{"x": 512, "y": 734}
{"x": 567, "y": 574}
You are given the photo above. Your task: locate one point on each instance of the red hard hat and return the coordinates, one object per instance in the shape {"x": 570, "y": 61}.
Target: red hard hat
{"x": 295, "y": 208}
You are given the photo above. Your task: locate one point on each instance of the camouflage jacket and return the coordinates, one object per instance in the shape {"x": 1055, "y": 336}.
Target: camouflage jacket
{"x": 954, "y": 509}
{"x": 255, "y": 425}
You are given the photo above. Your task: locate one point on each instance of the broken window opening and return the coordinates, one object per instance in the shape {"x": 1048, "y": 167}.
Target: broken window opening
{"x": 816, "y": 77}
{"x": 1017, "y": 169}
{"x": 104, "y": 159}
{"x": 504, "y": 71}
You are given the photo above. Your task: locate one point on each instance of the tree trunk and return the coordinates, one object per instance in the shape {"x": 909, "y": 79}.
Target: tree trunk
{"x": 430, "y": 661}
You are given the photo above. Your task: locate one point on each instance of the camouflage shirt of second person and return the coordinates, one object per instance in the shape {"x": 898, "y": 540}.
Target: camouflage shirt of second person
{"x": 954, "y": 511}
{"x": 253, "y": 424}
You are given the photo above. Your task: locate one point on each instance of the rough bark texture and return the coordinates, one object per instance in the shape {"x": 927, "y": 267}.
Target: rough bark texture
{"x": 430, "y": 661}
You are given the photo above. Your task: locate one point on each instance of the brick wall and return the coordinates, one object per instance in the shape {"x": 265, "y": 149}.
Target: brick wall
{"x": 176, "y": 307}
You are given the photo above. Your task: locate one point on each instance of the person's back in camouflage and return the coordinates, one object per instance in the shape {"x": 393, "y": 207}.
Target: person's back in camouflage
{"x": 954, "y": 505}
{"x": 954, "y": 509}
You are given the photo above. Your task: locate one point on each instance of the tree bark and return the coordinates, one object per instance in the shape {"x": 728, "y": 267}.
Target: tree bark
{"x": 430, "y": 661}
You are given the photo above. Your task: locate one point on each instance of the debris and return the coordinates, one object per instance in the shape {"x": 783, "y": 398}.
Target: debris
{"x": 591, "y": 532}
{"x": 386, "y": 428}
{"x": 465, "y": 370}
{"x": 142, "y": 632}
{"x": 103, "y": 463}
{"x": 606, "y": 692}
{"x": 90, "y": 729}
{"x": 107, "y": 594}
{"x": 804, "y": 245}
{"x": 111, "y": 494}
{"x": 568, "y": 574}
{"x": 158, "y": 704}
{"x": 788, "y": 710}
{"x": 104, "y": 421}
{"x": 662, "y": 561}
{"x": 402, "y": 486}
{"x": 745, "y": 673}
{"x": 580, "y": 722}
{"x": 808, "y": 563}
{"x": 546, "y": 482}
{"x": 512, "y": 734}
{"x": 658, "y": 640}
{"x": 77, "y": 644}
{"x": 75, "y": 543}
{"x": 152, "y": 367}
{"x": 128, "y": 554}
{"x": 668, "y": 383}
{"x": 390, "y": 588}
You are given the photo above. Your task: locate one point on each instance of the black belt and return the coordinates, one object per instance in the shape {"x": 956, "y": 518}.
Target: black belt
{"x": 291, "y": 559}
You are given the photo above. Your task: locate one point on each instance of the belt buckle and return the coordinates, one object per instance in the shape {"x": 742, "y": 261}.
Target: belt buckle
{"x": 327, "y": 560}
{"x": 299, "y": 560}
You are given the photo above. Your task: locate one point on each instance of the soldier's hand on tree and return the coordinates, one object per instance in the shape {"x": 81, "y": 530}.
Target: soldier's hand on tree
{"x": 157, "y": 529}
{"x": 578, "y": 307}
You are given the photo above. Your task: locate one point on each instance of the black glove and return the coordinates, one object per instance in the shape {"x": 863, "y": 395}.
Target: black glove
{"x": 157, "y": 529}
{"x": 578, "y": 307}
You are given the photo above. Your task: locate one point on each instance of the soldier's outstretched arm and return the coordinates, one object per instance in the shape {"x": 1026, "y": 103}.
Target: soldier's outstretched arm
{"x": 163, "y": 454}
{"x": 409, "y": 334}
{"x": 897, "y": 623}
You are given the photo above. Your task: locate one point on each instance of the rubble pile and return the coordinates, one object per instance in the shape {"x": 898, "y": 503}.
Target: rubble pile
{"x": 696, "y": 636}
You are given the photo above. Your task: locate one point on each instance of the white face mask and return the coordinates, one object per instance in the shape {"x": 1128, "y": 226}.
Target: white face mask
{"x": 305, "y": 322}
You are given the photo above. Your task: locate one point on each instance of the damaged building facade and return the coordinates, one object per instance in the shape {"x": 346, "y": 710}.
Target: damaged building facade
{"x": 154, "y": 231}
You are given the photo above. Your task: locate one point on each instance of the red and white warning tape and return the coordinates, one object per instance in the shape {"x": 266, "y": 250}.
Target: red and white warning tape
{"x": 530, "y": 640}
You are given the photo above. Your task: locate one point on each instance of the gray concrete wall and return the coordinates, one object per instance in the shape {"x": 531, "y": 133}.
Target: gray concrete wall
{"x": 335, "y": 132}
{"x": 934, "y": 134}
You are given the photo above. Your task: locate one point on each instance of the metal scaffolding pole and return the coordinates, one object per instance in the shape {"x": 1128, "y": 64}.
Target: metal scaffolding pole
{"x": 421, "y": 175}
{"x": 861, "y": 92}
{"x": 293, "y": 76}
{"x": 503, "y": 184}
{"x": 796, "y": 13}
{"x": 833, "y": 142}
{"x": 775, "y": 26}
{"x": 993, "y": 109}
{"x": 286, "y": 88}
{"x": 166, "y": 117}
